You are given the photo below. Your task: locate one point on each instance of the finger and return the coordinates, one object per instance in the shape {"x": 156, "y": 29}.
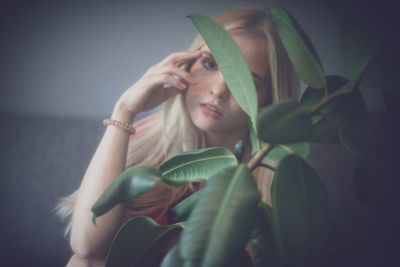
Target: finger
{"x": 178, "y": 73}
{"x": 167, "y": 80}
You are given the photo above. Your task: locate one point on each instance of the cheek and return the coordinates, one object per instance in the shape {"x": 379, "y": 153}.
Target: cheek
{"x": 192, "y": 98}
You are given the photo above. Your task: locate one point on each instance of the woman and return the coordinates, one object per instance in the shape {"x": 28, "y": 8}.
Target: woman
{"x": 199, "y": 112}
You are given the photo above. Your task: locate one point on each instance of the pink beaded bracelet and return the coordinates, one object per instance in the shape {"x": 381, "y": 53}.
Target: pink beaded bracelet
{"x": 123, "y": 126}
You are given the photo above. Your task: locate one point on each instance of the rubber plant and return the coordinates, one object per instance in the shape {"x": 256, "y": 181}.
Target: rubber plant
{"x": 214, "y": 225}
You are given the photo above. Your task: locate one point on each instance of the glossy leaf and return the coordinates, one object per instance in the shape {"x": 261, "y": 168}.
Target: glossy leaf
{"x": 140, "y": 242}
{"x": 346, "y": 113}
{"x": 300, "y": 212}
{"x": 254, "y": 140}
{"x": 284, "y": 122}
{"x": 128, "y": 185}
{"x": 228, "y": 203}
{"x": 196, "y": 164}
{"x": 239, "y": 151}
{"x": 262, "y": 239}
{"x": 231, "y": 62}
{"x": 350, "y": 140}
{"x": 183, "y": 209}
{"x": 360, "y": 42}
{"x": 282, "y": 150}
{"x": 173, "y": 258}
{"x": 298, "y": 46}
{"x": 370, "y": 50}
{"x": 311, "y": 96}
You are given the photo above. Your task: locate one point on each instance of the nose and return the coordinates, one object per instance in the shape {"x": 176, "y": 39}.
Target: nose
{"x": 219, "y": 89}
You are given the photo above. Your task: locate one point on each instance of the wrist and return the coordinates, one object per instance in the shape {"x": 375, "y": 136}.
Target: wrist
{"x": 122, "y": 113}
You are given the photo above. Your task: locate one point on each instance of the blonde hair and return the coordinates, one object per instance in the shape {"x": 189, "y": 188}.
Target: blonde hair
{"x": 171, "y": 130}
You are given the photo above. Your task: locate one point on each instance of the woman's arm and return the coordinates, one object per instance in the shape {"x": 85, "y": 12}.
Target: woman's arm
{"x": 89, "y": 241}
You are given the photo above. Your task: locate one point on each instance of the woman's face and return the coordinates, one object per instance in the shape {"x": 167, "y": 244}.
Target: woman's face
{"x": 211, "y": 105}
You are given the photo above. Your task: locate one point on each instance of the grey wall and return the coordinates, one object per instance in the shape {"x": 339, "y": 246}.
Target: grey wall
{"x": 75, "y": 58}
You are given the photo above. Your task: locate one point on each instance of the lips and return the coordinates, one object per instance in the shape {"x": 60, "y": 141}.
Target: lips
{"x": 211, "y": 110}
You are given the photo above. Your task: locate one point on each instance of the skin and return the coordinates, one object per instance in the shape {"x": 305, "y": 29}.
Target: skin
{"x": 89, "y": 242}
{"x": 229, "y": 124}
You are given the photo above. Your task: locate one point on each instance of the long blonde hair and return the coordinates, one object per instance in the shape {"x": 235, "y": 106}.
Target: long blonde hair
{"x": 171, "y": 130}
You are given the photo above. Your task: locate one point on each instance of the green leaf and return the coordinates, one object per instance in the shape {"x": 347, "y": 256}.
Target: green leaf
{"x": 284, "y": 122}
{"x": 183, "y": 209}
{"x": 311, "y": 96}
{"x": 282, "y": 150}
{"x": 262, "y": 239}
{"x": 173, "y": 258}
{"x": 140, "y": 242}
{"x": 350, "y": 140}
{"x": 239, "y": 151}
{"x": 298, "y": 46}
{"x": 128, "y": 185}
{"x": 345, "y": 114}
{"x": 300, "y": 212}
{"x": 370, "y": 50}
{"x": 231, "y": 62}
{"x": 325, "y": 131}
{"x": 360, "y": 42}
{"x": 220, "y": 224}
{"x": 179, "y": 170}
{"x": 254, "y": 141}
{"x": 196, "y": 165}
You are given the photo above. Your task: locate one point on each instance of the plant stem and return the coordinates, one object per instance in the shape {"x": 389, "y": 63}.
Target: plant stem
{"x": 328, "y": 99}
{"x": 258, "y": 157}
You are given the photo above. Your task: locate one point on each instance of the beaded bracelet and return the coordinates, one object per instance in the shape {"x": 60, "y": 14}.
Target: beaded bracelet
{"x": 123, "y": 126}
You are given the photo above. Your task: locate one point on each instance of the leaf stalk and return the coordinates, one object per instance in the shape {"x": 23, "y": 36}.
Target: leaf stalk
{"x": 258, "y": 157}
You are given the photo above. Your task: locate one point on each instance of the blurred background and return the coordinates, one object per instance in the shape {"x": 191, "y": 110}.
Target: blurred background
{"x": 63, "y": 66}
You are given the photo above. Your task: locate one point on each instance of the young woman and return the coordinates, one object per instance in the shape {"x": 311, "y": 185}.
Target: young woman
{"x": 199, "y": 112}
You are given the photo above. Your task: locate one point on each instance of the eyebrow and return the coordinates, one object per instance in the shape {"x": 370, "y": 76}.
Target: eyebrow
{"x": 255, "y": 75}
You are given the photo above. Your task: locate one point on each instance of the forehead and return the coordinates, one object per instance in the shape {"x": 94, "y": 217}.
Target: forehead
{"x": 253, "y": 50}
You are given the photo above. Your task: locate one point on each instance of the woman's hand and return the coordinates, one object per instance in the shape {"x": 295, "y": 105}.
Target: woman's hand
{"x": 151, "y": 89}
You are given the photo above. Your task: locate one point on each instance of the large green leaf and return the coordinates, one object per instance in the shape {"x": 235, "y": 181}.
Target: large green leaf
{"x": 179, "y": 170}
{"x": 128, "y": 185}
{"x": 342, "y": 118}
{"x": 196, "y": 164}
{"x": 140, "y": 242}
{"x": 324, "y": 131}
{"x": 183, "y": 209}
{"x": 370, "y": 49}
{"x": 298, "y": 46}
{"x": 173, "y": 258}
{"x": 359, "y": 43}
{"x": 220, "y": 224}
{"x": 282, "y": 150}
{"x": 284, "y": 122}
{"x": 312, "y": 96}
{"x": 350, "y": 140}
{"x": 300, "y": 212}
{"x": 262, "y": 239}
{"x": 231, "y": 62}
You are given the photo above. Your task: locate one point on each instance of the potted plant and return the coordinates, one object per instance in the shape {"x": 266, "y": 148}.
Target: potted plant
{"x": 214, "y": 224}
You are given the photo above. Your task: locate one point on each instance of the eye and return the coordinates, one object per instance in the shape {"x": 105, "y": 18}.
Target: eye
{"x": 209, "y": 64}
